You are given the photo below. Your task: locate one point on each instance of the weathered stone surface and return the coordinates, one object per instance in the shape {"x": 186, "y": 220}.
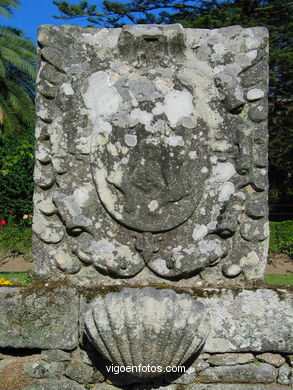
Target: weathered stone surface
{"x": 206, "y": 386}
{"x": 271, "y": 358}
{"x": 98, "y": 377}
{"x": 235, "y": 387}
{"x": 231, "y": 270}
{"x": 230, "y": 359}
{"x": 40, "y": 369}
{"x": 200, "y": 364}
{"x": 79, "y": 371}
{"x": 151, "y": 143}
{"x": 185, "y": 379}
{"x": 290, "y": 360}
{"x": 147, "y": 327}
{"x": 39, "y": 318}
{"x": 55, "y": 355}
{"x": 250, "y": 320}
{"x": 104, "y": 386}
{"x": 50, "y": 384}
{"x": 12, "y": 373}
{"x": 244, "y": 373}
{"x": 285, "y": 375}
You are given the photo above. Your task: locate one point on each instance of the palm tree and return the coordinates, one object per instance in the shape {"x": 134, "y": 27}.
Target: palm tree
{"x": 17, "y": 75}
{"x": 5, "y": 7}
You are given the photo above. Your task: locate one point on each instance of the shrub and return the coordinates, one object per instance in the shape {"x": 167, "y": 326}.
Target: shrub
{"x": 16, "y": 176}
{"x": 281, "y": 237}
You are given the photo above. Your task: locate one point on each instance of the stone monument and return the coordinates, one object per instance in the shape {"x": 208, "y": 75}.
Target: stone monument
{"x": 151, "y": 217}
{"x": 152, "y": 155}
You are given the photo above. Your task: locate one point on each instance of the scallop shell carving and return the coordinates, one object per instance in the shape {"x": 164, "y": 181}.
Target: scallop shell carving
{"x": 148, "y": 327}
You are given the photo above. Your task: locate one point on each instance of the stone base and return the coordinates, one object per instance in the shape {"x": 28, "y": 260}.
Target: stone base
{"x": 43, "y": 346}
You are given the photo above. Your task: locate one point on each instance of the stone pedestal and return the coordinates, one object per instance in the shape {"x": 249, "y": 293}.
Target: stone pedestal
{"x": 151, "y": 217}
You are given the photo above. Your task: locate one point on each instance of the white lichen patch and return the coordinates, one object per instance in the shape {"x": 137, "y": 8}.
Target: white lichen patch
{"x": 222, "y": 172}
{"x": 81, "y": 196}
{"x": 140, "y": 116}
{"x": 158, "y": 109}
{"x": 67, "y": 89}
{"x": 221, "y": 146}
{"x": 101, "y": 97}
{"x": 130, "y": 139}
{"x": 160, "y": 266}
{"x": 227, "y": 189}
{"x": 163, "y": 85}
{"x": 250, "y": 260}
{"x": 252, "y": 54}
{"x": 178, "y": 104}
{"x": 174, "y": 140}
{"x": 192, "y": 154}
{"x": 153, "y": 205}
{"x": 199, "y": 232}
{"x": 204, "y": 170}
{"x": 252, "y": 43}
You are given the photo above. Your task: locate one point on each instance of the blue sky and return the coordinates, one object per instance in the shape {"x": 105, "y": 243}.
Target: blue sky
{"x": 32, "y": 13}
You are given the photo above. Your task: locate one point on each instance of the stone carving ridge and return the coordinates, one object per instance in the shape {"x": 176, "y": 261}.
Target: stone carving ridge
{"x": 147, "y": 326}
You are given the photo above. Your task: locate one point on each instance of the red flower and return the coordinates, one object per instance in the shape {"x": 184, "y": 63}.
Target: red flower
{"x": 2, "y": 223}
{"x": 10, "y": 211}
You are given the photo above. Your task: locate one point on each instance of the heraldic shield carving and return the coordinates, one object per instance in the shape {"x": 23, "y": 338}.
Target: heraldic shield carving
{"x": 151, "y": 151}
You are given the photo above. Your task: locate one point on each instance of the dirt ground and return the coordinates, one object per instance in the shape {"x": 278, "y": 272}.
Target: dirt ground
{"x": 277, "y": 264}
{"x": 15, "y": 264}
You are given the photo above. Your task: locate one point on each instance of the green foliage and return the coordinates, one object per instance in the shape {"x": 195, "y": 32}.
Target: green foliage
{"x": 17, "y": 80}
{"x": 17, "y": 76}
{"x": 281, "y": 237}
{"x": 15, "y": 240}
{"x": 16, "y": 176}
{"x": 279, "y": 279}
{"x": 16, "y": 278}
{"x": 6, "y": 7}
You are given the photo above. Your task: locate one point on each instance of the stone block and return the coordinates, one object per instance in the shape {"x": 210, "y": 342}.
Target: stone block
{"x": 230, "y": 359}
{"x": 50, "y": 384}
{"x": 40, "y": 369}
{"x": 290, "y": 360}
{"x": 55, "y": 355}
{"x": 285, "y": 375}
{"x": 79, "y": 371}
{"x": 244, "y": 373}
{"x": 187, "y": 378}
{"x": 39, "y": 317}
{"x": 250, "y": 320}
{"x": 271, "y": 358}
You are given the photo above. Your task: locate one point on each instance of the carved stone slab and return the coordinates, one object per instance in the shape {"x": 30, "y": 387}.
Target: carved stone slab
{"x": 151, "y": 151}
{"x": 169, "y": 327}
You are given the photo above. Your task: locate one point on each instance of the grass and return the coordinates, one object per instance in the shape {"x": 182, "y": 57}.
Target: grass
{"x": 17, "y": 278}
{"x": 21, "y": 278}
{"x": 279, "y": 279}
{"x": 15, "y": 240}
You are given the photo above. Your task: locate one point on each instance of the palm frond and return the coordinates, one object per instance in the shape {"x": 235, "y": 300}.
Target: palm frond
{"x": 6, "y": 7}
{"x": 17, "y": 80}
